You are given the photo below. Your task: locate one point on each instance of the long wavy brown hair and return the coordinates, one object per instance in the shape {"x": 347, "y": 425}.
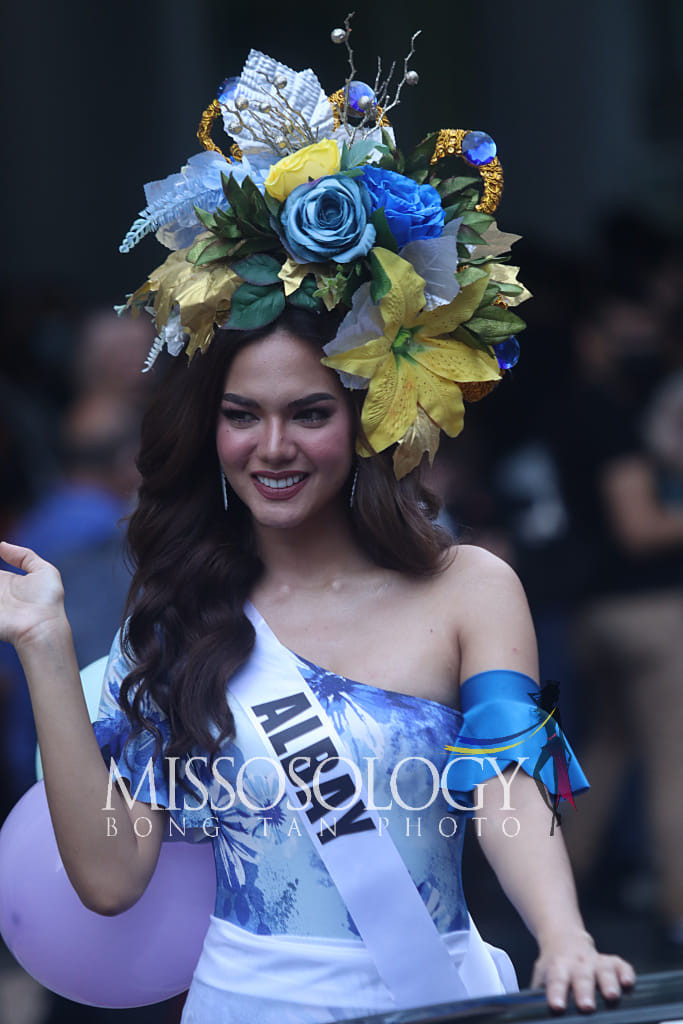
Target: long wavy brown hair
{"x": 195, "y": 563}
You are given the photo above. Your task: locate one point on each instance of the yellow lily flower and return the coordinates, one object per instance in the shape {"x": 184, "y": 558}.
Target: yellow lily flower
{"x": 415, "y": 365}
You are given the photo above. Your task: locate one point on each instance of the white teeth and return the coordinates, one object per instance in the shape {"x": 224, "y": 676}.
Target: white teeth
{"x": 288, "y": 481}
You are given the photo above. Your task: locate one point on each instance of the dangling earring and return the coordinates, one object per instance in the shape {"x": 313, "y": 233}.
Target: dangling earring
{"x": 353, "y": 488}
{"x": 224, "y": 488}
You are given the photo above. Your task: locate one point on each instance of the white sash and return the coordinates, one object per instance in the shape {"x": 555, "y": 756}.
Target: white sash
{"x": 362, "y": 860}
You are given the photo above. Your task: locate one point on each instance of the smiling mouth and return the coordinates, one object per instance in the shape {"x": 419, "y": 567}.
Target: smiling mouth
{"x": 279, "y": 483}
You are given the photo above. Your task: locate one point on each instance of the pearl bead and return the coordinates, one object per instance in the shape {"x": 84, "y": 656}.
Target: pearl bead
{"x": 242, "y": 103}
{"x": 280, "y": 81}
{"x": 234, "y": 127}
{"x": 338, "y": 35}
{"x": 412, "y": 78}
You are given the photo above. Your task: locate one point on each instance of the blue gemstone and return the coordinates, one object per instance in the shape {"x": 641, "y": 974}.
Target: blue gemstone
{"x": 478, "y": 148}
{"x": 226, "y": 89}
{"x": 357, "y": 91}
{"x": 507, "y": 353}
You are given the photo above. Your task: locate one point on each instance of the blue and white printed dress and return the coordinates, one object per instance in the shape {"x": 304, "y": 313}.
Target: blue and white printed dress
{"x": 281, "y": 944}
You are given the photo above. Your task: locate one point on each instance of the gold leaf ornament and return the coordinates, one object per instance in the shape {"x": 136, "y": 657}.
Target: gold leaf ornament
{"x": 504, "y": 273}
{"x": 202, "y": 294}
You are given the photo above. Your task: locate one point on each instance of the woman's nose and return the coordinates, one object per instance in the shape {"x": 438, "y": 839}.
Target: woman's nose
{"x": 276, "y": 442}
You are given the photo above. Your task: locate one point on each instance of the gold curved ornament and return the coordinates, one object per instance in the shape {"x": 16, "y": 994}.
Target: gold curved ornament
{"x": 449, "y": 143}
{"x": 337, "y": 102}
{"x": 206, "y": 124}
{"x": 204, "y": 131}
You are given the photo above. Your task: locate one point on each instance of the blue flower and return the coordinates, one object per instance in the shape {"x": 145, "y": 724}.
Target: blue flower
{"x": 413, "y": 211}
{"x": 328, "y": 219}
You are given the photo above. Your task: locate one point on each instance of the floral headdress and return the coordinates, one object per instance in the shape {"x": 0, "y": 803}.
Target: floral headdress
{"x": 316, "y": 207}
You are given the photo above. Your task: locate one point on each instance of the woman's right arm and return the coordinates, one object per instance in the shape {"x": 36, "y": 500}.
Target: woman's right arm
{"x": 109, "y": 869}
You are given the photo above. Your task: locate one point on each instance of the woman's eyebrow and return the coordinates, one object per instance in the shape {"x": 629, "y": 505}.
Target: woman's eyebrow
{"x": 318, "y": 396}
{"x": 251, "y": 403}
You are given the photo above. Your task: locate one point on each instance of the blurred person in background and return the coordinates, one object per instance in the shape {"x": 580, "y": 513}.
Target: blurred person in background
{"x": 73, "y": 517}
{"x": 628, "y": 629}
{"x": 112, "y": 355}
{"x": 77, "y": 522}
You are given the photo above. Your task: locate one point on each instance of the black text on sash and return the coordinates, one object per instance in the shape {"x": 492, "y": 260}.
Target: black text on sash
{"x": 287, "y": 722}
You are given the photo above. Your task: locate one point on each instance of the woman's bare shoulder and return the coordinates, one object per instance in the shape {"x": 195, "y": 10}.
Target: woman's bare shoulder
{"x": 488, "y": 609}
{"x": 466, "y": 564}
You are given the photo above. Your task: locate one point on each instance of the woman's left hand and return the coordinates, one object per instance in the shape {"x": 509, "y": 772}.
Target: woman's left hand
{"x": 570, "y": 962}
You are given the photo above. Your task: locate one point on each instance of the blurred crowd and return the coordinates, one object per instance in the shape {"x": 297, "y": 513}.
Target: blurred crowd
{"x": 572, "y": 471}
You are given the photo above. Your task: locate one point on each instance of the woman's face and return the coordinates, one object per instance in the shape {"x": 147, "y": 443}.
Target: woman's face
{"x": 284, "y": 431}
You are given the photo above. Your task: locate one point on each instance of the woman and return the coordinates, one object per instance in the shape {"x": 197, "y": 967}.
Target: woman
{"x": 283, "y": 543}
{"x": 404, "y": 613}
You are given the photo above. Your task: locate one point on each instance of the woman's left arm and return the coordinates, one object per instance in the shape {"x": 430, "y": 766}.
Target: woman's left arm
{"x": 495, "y": 631}
{"x": 534, "y": 871}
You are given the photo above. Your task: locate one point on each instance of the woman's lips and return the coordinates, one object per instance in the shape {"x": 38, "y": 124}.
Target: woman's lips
{"x": 279, "y": 492}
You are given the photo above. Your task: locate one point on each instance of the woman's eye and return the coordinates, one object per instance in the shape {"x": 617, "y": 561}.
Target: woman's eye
{"x": 313, "y": 415}
{"x": 237, "y": 415}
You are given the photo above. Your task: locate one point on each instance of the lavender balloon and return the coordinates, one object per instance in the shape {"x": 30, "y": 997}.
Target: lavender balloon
{"x": 142, "y": 956}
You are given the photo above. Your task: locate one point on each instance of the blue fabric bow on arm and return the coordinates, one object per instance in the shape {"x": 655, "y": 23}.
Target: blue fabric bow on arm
{"x": 503, "y": 723}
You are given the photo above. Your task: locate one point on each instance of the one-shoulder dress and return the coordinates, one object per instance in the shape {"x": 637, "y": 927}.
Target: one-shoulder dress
{"x": 282, "y": 944}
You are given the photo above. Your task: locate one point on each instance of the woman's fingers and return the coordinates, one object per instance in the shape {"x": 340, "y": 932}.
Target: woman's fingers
{"x": 580, "y": 975}
{"x": 31, "y": 600}
{"x": 20, "y": 558}
{"x": 556, "y": 981}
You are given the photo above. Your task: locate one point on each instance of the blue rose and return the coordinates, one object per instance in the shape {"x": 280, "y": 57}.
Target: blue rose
{"x": 413, "y": 211}
{"x": 327, "y": 219}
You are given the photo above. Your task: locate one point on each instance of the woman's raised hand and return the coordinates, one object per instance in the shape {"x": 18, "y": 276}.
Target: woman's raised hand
{"x": 31, "y": 602}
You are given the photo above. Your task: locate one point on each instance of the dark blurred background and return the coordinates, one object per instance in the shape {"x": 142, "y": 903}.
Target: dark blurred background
{"x": 573, "y": 471}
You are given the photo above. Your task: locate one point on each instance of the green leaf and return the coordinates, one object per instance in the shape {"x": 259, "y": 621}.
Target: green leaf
{"x": 467, "y": 338}
{"x": 452, "y": 186}
{"x": 491, "y": 293}
{"x": 418, "y": 160}
{"x": 510, "y": 289}
{"x": 479, "y": 222}
{"x": 206, "y": 218}
{"x": 273, "y": 205}
{"x": 493, "y": 324}
{"x": 468, "y": 275}
{"x": 258, "y": 269}
{"x": 260, "y": 215}
{"x": 333, "y": 287}
{"x": 353, "y": 283}
{"x": 255, "y": 306}
{"x": 305, "y": 296}
{"x": 224, "y": 218}
{"x": 220, "y": 249}
{"x": 351, "y": 172}
{"x": 469, "y": 237}
{"x": 260, "y": 243}
{"x": 381, "y": 282}
{"x": 391, "y": 156}
{"x": 239, "y": 202}
{"x": 383, "y": 238}
{"x": 197, "y": 249}
{"x": 461, "y": 204}
{"x": 359, "y": 152}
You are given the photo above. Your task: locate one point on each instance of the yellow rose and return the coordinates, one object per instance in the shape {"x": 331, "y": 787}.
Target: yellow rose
{"x": 310, "y": 162}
